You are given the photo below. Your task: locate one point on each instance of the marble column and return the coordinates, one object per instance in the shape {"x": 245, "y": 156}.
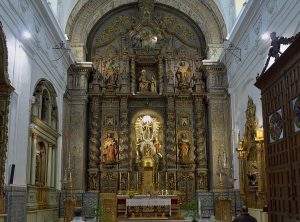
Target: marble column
{"x": 33, "y": 158}
{"x": 53, "y": 172}
{"x": 219, "y": 124}
{"x": 49, "y": 170}
{"x": 75, "y": 116}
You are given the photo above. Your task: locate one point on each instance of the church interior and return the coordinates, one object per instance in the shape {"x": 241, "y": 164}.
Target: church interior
{"x": 149, "y": 110}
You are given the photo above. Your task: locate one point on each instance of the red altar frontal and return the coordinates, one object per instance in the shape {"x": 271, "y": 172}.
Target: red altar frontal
{"x": 146, "y": 206}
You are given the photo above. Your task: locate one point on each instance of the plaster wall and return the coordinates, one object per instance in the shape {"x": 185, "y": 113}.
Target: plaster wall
{"x": 31, "y": 32}
{"x": 258, "y": 17}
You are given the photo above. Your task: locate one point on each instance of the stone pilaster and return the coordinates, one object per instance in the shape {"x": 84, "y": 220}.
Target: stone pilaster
{"x": 33, "y": 158}
{"x": 49, "y": 170}
{"x": 219, "y": 121}
{"x": 75, "y": 118}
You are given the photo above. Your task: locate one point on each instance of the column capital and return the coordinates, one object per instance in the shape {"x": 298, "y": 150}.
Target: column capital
{"x": 78, "y": 75}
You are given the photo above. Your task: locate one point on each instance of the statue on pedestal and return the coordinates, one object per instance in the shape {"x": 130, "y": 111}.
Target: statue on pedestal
{"x": 183, "y": 75}
{"x": 110, "y": 149}
{"x": 146, "y": 85}
{"x": 184, "y": 149}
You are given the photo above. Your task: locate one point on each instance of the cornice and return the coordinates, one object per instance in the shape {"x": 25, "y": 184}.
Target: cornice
{"x": 44, "y": 130}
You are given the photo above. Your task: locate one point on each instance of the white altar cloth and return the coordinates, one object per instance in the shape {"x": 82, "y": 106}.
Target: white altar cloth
{"x": 149, "y": 202}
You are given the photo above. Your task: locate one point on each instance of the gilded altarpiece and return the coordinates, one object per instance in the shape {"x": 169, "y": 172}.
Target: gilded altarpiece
{"x": 147, "y": 112}
{"x": 146, "y": 104}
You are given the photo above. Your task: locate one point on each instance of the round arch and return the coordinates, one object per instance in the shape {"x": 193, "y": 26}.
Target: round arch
{"x": 85, "y": 16}
{"x": 44, "y": 87}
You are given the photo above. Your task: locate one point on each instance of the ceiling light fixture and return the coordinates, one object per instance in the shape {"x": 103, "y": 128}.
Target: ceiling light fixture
{"x": 26, "y": 35}
{"x": 265, "y": 36}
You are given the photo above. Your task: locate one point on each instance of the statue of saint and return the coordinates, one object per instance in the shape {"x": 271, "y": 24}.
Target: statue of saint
{"x": 157, "y": 146}
{"x": 184, "y": 149}
{"x": 183, "y": 74}
{"x": 146, "y": 85}
{"x": 153, "y": 85}
{"x": 111, "y": 73}
{"x": 110, "y": 150}
{"x": 143, "y": 82}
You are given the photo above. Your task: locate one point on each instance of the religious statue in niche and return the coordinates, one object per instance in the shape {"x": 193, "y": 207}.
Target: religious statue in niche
{"x": 40, "y": 165}
{"x": 147, "y": 82}
{"x": 147, "y": 137}
{"x": 183, "y": 75}
{"x": 110, "y": 69}
{"x": 184, "y": 148}
{"x": 110, "y": 149}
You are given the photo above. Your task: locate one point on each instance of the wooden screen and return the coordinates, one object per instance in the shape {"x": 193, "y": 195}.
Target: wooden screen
{"x": 280, "y": 87}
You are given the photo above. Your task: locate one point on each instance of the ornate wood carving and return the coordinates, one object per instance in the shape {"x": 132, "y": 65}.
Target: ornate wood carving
{"x": 94, "y": 144}
{"x": 280, "y": 88}
{"x": 252, "y": 161}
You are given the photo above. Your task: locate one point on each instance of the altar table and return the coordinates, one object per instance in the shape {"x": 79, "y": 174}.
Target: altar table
{"x": 125, "y": 203}
{"x": 149, "y": 202}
